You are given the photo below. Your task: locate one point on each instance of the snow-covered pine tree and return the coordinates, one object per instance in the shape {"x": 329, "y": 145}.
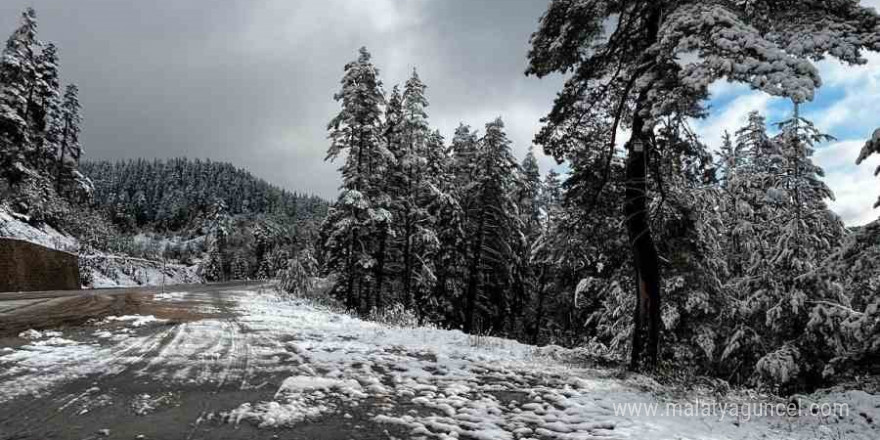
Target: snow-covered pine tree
{"x": 805, "y": 234}
{"x": 298, "y": 277}
{"x": 625, "y": 61}
{"x": 70, "y": 150}
{"x": 216, "y": 266}
{"x": 357, "y": 131}
{"x": 392, "y": 137}
{"x": 451, "y": 219}
{"x": 528, "y": 198}
{"x": 18, "y": 79}
{"x": 780, "y": 230}
{"x": 45, "y": 111}
{"x": 414, "y": 193}
{"x": 729, "y": 159}
{"x": 493, "y": 230}
{"x": 541, "y": 251}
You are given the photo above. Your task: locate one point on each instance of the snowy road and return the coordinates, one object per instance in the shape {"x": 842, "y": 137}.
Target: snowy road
{"x": 223, "y": 362}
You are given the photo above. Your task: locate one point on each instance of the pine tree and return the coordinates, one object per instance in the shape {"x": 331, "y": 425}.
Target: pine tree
{"x": 69, "y": 148}
{"x": 357, "y": 130}
{"x": 780, "y": 231}
{"x": 416, "y": 190}
{"x": 391, "y": 136}
{"x": 45, "y": 110}
{"x": 541, "y": 251}
{"x": 493, "y": 230}
{"x": 631, "y": 74}
{"x": 455, "y": 182}
{"x": 18, "y": 78}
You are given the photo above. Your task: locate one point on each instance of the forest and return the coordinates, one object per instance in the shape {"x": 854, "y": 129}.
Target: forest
{"x": 653, "y": 251}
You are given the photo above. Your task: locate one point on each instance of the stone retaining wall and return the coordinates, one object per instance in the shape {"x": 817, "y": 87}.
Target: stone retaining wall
{"x": 27, "y": 267}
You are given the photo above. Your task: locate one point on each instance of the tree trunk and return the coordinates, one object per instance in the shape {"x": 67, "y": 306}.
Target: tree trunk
{"x": 407, "y": 263}
{"x": 539, "y": 313}
{"x": 646, "y": 316}
{"x": 473, "y": 275}
{"x": 646, "y": 333}
{"x": 377, "y": 302}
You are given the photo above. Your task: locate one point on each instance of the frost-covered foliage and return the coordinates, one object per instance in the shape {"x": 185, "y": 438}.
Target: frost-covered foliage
{"x": 39, "y": 147}
{"x": 347, "y": 233}
{"x": 646, "y": 66}
{"x": 395, "y": 315}
{"x": 98, "y": 270}
{"x": 299, "y": 275}
{"x": 169, "y": 209}
{"x": 178, "y": 194}
{"x": 435, "y": 228}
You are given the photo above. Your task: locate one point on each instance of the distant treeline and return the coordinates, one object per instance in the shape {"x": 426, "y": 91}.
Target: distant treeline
{"x": 172, "y": 195}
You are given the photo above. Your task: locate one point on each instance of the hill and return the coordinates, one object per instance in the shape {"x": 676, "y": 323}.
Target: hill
{"x": 178, "y": 194}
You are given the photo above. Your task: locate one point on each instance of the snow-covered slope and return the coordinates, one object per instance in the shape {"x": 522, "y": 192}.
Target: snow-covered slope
{"x": 114, "y": 271}
{"x": 14, "y": 225}
{"x": 103, "y": 270}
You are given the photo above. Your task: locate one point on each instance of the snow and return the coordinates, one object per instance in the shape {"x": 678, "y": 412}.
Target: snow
{"x": 15, "y": 226}
{"x": 434, "y": 383}
{"x": 497, "y": 390}
{"x": 169, "y": 296}
{"x": 35, "y": 334}
{"x": 109, "y": 271}
{"x": 134, "y": 320}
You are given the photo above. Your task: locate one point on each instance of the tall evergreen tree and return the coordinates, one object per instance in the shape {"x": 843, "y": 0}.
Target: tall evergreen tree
{"x": 69, "y": 148}
{"x": 45, "y": 110}
{"x": 631, "y": 74}
{"x": 415, "y": 192}
{"x": 493, "y": 230}
{"x": 356, "y": 130}
{"x": 18, "y": 79}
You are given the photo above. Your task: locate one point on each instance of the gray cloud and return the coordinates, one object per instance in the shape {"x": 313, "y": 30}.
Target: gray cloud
{"x": 252, "y": 82}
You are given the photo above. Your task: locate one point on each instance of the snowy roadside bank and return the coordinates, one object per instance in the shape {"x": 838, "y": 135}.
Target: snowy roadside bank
{"x": 445, "y": 384}
{"x": 98, "y": 269}
{"x": 103, "y": 271}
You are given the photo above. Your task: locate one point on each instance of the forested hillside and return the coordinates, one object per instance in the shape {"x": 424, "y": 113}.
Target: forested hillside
{"x": 183, "y": 209}
{"x": 174, "y": 195}
{"x": 128, "y": 219}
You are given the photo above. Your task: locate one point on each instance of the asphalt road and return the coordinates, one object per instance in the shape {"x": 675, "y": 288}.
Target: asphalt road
{"x": 166, "y": 379}
{"x": 20, "y": 311}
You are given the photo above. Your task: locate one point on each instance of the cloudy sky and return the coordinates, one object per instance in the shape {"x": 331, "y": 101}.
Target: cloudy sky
{"x": 252, "y": 82}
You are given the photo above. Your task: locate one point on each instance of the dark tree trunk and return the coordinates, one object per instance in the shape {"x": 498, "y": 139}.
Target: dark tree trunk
{"x": 407, "y": 264}
{"x": 473, "y": 275}
{"x": 539, "y": 312}
{"x": 646, "y": 262}
{"x": 646, "y": 334}
{"x": 376, "y": 301}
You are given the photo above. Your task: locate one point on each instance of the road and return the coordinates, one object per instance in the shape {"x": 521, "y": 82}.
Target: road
{"x": 20, "y": 311}
{"x": 236, "y": 361}
{"x": 159, "y": 378}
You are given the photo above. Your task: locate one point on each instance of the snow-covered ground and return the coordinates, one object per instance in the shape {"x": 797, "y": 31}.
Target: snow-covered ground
{"x": 14, "y": 226}
{"x": 316, "y": 365}
{"x": 115, "y": 271}
{"x": 105, "y": 270}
